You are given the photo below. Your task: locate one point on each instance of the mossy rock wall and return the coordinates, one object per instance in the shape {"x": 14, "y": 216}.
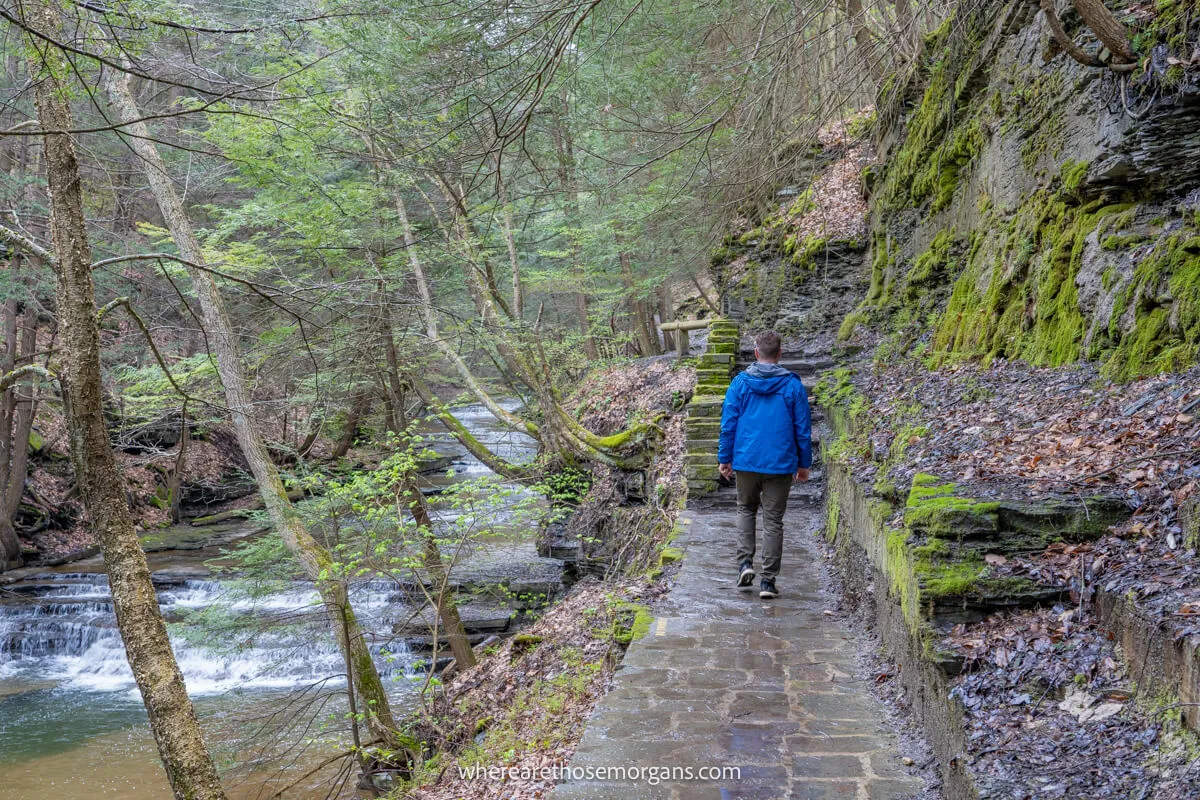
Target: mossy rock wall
{"x": 1021, "y": 212}
{"x": 857, "y": 526}
{"x": 935, "y": 547}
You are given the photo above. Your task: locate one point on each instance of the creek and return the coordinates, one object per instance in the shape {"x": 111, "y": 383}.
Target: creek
{"x": 271, "y": 696}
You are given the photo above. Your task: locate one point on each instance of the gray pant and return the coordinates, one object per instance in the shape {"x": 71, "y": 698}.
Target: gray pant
{"x": 771, "y": 492}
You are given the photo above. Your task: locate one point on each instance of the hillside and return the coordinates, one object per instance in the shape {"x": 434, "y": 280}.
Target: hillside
{"x": 1016, "y": 309}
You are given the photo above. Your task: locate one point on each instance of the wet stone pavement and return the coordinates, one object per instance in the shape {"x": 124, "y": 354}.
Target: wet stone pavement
{"x": 724, "y": 679}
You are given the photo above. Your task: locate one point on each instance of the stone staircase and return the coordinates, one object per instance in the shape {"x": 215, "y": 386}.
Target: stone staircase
{"x": 722, "y": 359}
{"x": 714, "y": 370}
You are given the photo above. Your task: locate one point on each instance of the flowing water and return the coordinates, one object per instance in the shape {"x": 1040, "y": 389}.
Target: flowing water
{"x": 72, "y": 725}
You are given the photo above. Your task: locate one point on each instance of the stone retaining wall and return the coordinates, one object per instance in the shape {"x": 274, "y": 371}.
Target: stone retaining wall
{"x": 859, "y": 530}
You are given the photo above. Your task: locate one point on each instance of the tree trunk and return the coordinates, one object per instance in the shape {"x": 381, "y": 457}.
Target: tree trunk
{"x": 560, "y": 433}
{"x": 1064, "y": 41}
{"x": 175, "y": 475}
{"x": 510, "y": 242}
{"x": 24, "y": 405}
{"x": 447, "y": 609}
{"x": 1107, "y": 28}
{"x": 906, "y": 31}
{"x": 666, "y": 313}
{"x": 188, "y": 764}
{"x": 866, "y": 46}
{"x": 313, "y": 557}
{"x": 638, "y": 313}
{"x": 359, "y": 407}
{"x": 10, "y": 545}
{"x": 429, "y": 316}
{"x": 565, "y": 150}
{"x": 395, "y": 386}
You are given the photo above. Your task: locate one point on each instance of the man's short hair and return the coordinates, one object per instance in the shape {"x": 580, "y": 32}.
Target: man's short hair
{"x": 768, "y": 344}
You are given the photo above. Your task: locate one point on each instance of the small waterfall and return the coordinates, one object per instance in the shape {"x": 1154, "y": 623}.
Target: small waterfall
{"x": 61, "y": 627}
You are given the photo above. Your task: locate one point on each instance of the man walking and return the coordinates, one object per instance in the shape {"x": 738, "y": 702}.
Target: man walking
{"x": 766, "y": 441}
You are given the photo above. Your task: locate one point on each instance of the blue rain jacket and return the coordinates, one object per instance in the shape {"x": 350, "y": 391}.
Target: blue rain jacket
{"x": 765, "y": 424}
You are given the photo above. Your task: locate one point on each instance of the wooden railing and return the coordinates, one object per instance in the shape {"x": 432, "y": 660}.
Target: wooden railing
{"x": 681, "y": 327}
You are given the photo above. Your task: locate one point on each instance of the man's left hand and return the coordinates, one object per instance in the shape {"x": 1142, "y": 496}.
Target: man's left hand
{"x": 726, "y": 471}
{"x": 801, "y": 475}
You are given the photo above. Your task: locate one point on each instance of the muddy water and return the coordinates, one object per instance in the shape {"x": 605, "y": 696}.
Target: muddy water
{"x": 75, "y": 746}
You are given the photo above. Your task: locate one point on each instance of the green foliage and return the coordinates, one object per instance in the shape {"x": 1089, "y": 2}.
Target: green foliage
{"x": 565, "y": 486}
{"x": 146, "y": 395}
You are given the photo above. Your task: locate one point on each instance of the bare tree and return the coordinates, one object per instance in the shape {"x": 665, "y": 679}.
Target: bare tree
{"x": 189, "y": 766}
{"x": 312, "y": 555}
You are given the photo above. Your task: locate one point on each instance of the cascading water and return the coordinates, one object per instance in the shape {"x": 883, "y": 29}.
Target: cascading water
{"x": 61, "y": 628}
{"x": 71, "y": 721}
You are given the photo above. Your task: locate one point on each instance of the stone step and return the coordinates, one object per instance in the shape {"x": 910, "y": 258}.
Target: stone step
{"x": 706, "y": 406}
{"x": 803, "y": 366}
{"x": 702, "y": 472}
{"x": 714, "y": 359}
{"x": 475, "y": 618}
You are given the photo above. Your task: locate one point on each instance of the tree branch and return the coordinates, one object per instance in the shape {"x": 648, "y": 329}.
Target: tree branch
{"x": 9, "y": 379}
{"x": 23, "y": 242}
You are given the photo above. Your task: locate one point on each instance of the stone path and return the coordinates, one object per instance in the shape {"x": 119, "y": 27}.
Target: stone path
{"x": 724, "y": 679}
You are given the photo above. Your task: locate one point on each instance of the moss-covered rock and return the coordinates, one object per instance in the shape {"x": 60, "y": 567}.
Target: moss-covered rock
{"x": 935, "y": 507}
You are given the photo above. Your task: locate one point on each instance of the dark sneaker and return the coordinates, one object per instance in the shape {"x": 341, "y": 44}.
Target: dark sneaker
{"x": 746, "y": 576}
{"x": 767, "y": 590}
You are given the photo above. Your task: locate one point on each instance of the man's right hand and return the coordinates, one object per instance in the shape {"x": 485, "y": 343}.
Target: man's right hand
{"x": 726, "y": 471}
{"x": 801, "y": 475}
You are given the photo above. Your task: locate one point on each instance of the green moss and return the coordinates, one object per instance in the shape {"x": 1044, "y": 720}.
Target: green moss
{"x": 836, "y": 387}
{"x": 941, "y": 176}
{"x": 861, "y": 125}
{"x": 1164, "y": 336}
{"x": 1030, "y": 307}
{"x": 881, "y": 261}
{"x": 931, "y": 267}
{"x": 833, "y": 510}
{"x": 904, "y": 584}
{"x": 526, "y": 641}
{"x": 1072, "y": 174}
{"x": 950, "y": 580}
{"x": 721, "y": 256}
{"x": 849, "y": 324}
{"x": 885, "y": 485}
{"x": 669, "y": 555}
{"x": 937, "y": 508}
{"x": 632, "y": 621}
{"x": 944, "y": 133}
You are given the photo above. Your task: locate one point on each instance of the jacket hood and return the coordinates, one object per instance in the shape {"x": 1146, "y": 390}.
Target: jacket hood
{"x": 766, "y": 378}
